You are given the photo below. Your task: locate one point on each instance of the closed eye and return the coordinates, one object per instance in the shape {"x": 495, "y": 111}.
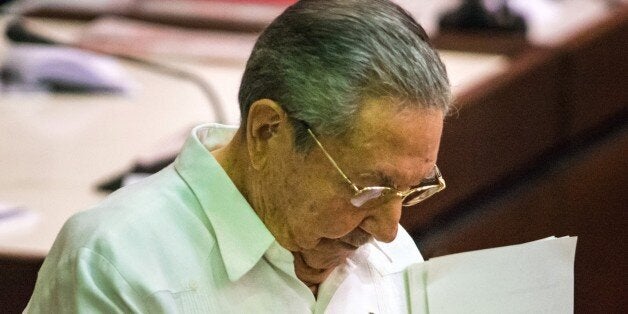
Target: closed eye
{"x": 377, "y": 178}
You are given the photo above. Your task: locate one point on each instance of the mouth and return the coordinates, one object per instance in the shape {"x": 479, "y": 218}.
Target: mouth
{"x": 348, "y": 246}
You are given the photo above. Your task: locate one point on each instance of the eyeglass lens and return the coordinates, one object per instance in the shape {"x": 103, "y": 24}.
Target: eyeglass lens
{"x": 366, "y": 195}
{"x": 419, "y": 195}
{"x": 373, "y": 193}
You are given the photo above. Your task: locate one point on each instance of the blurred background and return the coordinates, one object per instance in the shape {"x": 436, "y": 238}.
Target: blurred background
{"x": 98, "y": 94}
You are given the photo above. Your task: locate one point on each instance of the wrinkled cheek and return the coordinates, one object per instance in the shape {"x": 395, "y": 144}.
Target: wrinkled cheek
{"x": 325, "y": 217}
{"x": 339, "y": 229}
{"x": 342, "y": 219}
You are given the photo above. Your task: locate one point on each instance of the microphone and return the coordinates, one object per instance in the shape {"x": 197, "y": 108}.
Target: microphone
{"x": 17, "y": 31}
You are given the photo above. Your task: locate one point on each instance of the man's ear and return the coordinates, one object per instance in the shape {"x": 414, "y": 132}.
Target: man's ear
{"x": 266, "y": 122}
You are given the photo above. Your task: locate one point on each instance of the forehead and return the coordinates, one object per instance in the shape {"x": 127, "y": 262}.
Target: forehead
{"x": 386, "y": 123}
{"x": 398, "y": 140}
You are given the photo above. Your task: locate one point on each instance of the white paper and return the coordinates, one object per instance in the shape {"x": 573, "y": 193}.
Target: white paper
{"x": 535, "y": 277}
{"x": 417, "y": 292}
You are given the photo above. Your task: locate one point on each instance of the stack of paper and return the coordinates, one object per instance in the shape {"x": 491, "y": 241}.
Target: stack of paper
{"x": 535, "y": 277}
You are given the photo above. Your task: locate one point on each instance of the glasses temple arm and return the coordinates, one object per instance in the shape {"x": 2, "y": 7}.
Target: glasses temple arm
{"x": 344, "y": 176}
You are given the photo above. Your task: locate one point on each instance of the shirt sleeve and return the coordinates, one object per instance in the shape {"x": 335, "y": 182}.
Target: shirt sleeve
{"x": 86, "y": 283}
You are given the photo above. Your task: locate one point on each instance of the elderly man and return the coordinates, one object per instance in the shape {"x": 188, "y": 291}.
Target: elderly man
{"x": 297, "y": 210}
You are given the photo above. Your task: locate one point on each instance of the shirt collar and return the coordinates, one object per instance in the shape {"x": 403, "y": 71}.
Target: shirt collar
{"x": 241, "y": 236}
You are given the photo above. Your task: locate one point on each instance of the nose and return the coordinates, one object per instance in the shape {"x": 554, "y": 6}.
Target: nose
{"x": 382, "y": 221}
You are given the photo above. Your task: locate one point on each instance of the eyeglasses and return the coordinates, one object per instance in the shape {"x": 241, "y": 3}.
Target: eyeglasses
{"x": 430, "y": 186}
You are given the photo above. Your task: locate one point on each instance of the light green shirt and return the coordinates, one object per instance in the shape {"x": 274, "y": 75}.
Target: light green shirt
{"x": 186, "y": 241}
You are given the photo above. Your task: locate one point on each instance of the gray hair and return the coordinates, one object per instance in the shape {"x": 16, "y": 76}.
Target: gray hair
{"x": 320, "y": 60}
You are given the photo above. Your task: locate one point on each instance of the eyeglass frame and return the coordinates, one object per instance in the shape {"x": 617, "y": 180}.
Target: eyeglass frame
{"x": 430, "y": 190}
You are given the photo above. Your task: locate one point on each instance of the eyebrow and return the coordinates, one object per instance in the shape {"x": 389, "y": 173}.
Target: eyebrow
{"x": 382, "y": 178}
{"x": 386, "y": 180}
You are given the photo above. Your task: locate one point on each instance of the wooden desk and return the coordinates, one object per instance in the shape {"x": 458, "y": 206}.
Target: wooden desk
{"x": 541, "y": 150}
{"x": 55, "y": 148}
{"x": 547, "y": 99}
